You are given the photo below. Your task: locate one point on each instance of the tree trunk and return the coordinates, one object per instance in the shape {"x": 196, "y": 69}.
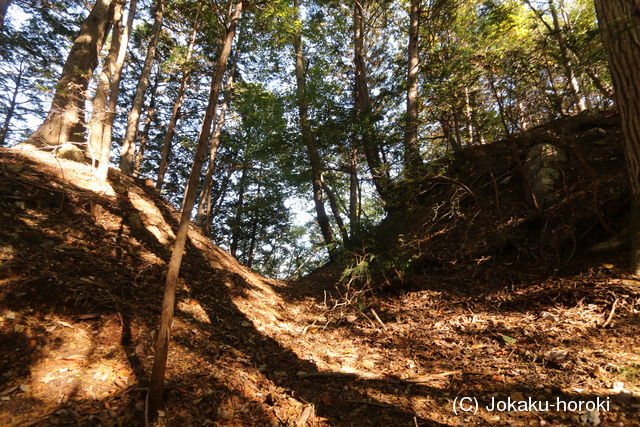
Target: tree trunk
{"x": 4, "y": 5}
{"x": 468, "y": 114}
{"x": 364, "y": 109}
{"x": 120, "y": 39}
{"x": 309, "y": 141}
{"x": 95, "y": 145}
{"x": 128, "y": 148}
{"x": 620, "y": 27}
{"x": 236, "y": 226}
{"x": 219, "y": 199}
{"x": 412, "y": 158}
{"x": 12, "y": 106}
{"x": 144, "y": 136}
{"x": 216, "y": 83}
{"x": 66, "y": 115}
{"x": 354, "y": 214}
{"x": 204, "y": 209}
{"x": 168, "y": 303}
{"x": 335, "y": 209}
{"x": 175, "y": 111}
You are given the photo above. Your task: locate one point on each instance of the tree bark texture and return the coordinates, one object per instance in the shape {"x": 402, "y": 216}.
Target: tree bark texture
{"x": 65, "y": 119}
{"x": 127, "y": 151}
{"x": 620, "y": 28}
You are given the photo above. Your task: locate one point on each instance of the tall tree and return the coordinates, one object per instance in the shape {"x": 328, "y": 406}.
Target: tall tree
{"x": 187, "y": 70}
{"x": 95, "y": 145}
{"x": 412, "y": 156}
{"x": 620, "y": 27}
{"x": 119, "y": 42}
{"x": 65, "y": 119}
{"x": 309, "y": 139}
{"x": 204, "y": 208}
{"x": 363, "y": 106}
{"x": 168, "y": 302}
{"x": 11, "y": 108}
{"x": 128, "y": 148}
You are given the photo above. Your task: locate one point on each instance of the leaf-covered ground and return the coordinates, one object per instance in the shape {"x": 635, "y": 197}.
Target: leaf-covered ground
{"x": 81, "y": 277}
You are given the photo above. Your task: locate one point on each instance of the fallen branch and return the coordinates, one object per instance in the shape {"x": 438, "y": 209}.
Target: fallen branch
{"x": 378, "y": 319}
{"x": 428, "y": 378}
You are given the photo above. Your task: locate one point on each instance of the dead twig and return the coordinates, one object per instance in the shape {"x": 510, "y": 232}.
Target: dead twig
{"x": 613, "y": 310}
{"x": 375, "y": 315}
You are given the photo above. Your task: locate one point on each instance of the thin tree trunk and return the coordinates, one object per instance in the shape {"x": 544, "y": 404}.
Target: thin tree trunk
{"x": 335, "y": 209}
{"x": 12, "y": 106}
{"x": 309, "y": 140}
{"x": 556, "y": 33}
{"x": 144, "y": 136}
{"x": 236, "y": 227}
{"x": 168, "y": 303}
{"x": 177, "y": 105}
{"x": 364, "y": 109}
{"x": 219, "y": 199}
{"x": 354, "y": 215}
{"x": 469, "y": 116}
{"x": 204, "y": 209}
{"x": 503, "y": 115}
{"x": 412, "y": 158}
{"x": 99, "y": 115}
{"x": 128, "y": 148}
{"x": 620, "y": 27}
{"x": 4, "y": 5}
{"x": 65, "y": 119}
{"x": 120, "y": 39}
{"x": 216, "y": 83}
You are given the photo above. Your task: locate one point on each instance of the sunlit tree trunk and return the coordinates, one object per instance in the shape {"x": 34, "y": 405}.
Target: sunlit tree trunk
{"x": 620, "y": 27}
{"x": 128, "y": 148}
{"x": 120, "y": 40}
{"x": 99, "y": 111}
{"x": 412, "y": 158}
{"x": 168, "y": 302}
{"x": 12, "y": 105}
{"x": 177, "y": 105}
{"x": 309, "y": 140}
{"x": 65, "y": 119}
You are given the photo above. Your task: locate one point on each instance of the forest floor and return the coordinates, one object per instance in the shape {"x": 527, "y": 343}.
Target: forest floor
{"x": 81, "y": 279}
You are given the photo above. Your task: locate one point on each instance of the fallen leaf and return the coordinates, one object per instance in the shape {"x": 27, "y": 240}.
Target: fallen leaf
{"x": 25, "y": 388}
{"x": 508, "y": 339}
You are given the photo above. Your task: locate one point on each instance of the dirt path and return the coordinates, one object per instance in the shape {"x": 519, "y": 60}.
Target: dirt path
{"x": 421, "y": 350}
